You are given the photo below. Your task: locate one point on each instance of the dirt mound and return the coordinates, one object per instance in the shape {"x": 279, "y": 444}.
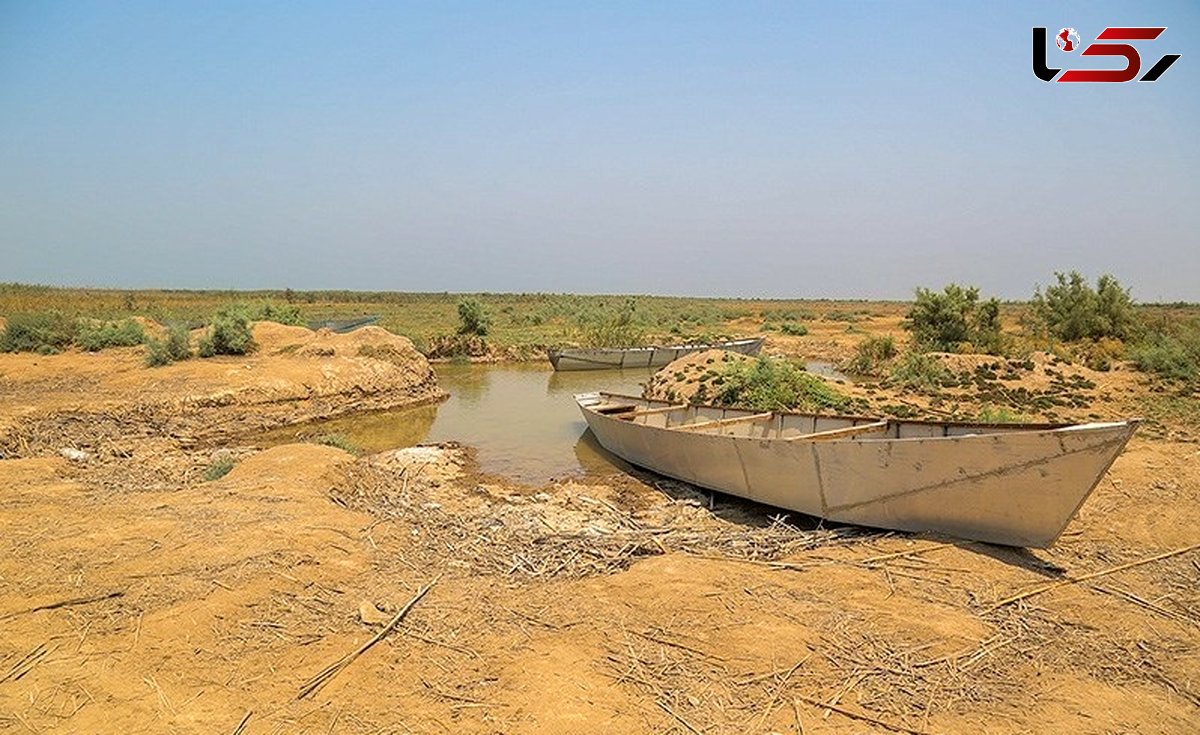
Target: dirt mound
{"x": 690, "y": 375}
{"x": 153, "y": 329}
{"x": 91, "y": 401}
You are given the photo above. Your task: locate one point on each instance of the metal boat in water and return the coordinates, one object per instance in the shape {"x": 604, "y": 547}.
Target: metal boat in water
{"x": 1012, "y": 484}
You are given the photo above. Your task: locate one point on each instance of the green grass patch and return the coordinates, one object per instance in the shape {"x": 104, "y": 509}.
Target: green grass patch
{"x": 768, "y": 384}
{"x": 94, "y": 336}
{"x": 919, "y": 371}
{"x": 44, "y": 332}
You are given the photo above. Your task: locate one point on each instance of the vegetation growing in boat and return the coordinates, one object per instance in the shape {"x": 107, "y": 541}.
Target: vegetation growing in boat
{"x": 768, "y": 384}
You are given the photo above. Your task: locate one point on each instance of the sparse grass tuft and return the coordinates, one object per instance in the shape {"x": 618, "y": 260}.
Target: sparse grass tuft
{"x": 990, "y": 414}
{"x": 340, "y": 441}
{"x": 919, "y": 371}
{"x": 871, "y": 356}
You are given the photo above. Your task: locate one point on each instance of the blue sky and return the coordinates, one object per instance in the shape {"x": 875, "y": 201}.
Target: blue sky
{"x": 744, "y": 149}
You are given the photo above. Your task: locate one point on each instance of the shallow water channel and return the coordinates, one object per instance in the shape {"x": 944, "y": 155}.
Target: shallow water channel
{"x": 520, "y": 417}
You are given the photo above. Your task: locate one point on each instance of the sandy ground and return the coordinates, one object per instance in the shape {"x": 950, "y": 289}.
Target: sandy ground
{"x": 134, "y": 601}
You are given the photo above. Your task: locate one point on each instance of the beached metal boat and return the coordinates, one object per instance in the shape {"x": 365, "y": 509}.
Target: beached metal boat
{"x": 573, "y": 358}
{"x": 1012, "y": 484}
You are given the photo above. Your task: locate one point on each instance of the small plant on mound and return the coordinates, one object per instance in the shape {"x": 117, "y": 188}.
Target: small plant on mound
{"x": 473, "y": 318}
{"x": 45, "y": 332}
{"x": 990, "y": 414}
{"x": 774, "y": 385}
{"x": 95, "y": 336}
{"x": 177, "y": 346}
{"x": 919, "y": 371}
{"x": 954, "y": 319}
{"x": 338, "y": 441}
{"x": 228, "y": 335}
{"x": 871, "y": 356}
{"x": 219, "y": 468}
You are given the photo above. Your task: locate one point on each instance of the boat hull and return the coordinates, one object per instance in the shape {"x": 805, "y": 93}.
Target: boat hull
{"x": 640, "y": 357}
{"x": 1017, "y": 488}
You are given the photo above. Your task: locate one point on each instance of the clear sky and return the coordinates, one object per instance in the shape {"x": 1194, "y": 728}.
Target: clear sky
{"x": 746, "y": 149}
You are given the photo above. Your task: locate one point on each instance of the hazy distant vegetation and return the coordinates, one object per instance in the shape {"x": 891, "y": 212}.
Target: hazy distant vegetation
{"x": 1098, "y": 324}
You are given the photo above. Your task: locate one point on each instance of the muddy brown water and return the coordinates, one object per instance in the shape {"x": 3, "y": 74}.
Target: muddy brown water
{"x": 520, "y": 418}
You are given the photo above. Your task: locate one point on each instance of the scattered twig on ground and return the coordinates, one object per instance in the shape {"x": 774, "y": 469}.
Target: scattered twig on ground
{"x": 1091, "y": 575}
{"x": 861, "y": 716}
{"x": 65, "y": 603}
{"x": 326, "y": 674}
{"x": 241, "y": 726}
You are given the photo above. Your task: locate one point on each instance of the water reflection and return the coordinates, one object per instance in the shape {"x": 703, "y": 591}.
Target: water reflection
{"x": 372, "y": 432}
{"x": 520, "y": 418}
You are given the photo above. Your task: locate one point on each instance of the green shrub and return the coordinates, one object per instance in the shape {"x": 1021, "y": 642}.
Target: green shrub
{"x": 870, "y": 356}
{"x": 219, "y": 468}
{"x": 1170, "y": 350}
{"x": 268, "y": 311}
{"x": 919, "y": 371}
{"x": 954, "y": 318}
{"x": 473, "y": 318}
{"x": 228, "y": 335}
{"x": 774, "y": 385}
{"x": 94, "y": 336}
{"x": 1072, "y": 310}
{"x": 793, "y": 328}
{"x": 177, "y": 346}
{"x": 46, "y": 332}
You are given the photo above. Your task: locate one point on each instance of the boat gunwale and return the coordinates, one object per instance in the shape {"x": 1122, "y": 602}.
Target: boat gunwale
{"x": 1032, "y": 427}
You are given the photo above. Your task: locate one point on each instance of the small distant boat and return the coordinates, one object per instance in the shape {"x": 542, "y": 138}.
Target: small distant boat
{"x": 1011, "y": 484}
{"x": 342, "y": 326}
{"x": 571, "y": 358}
